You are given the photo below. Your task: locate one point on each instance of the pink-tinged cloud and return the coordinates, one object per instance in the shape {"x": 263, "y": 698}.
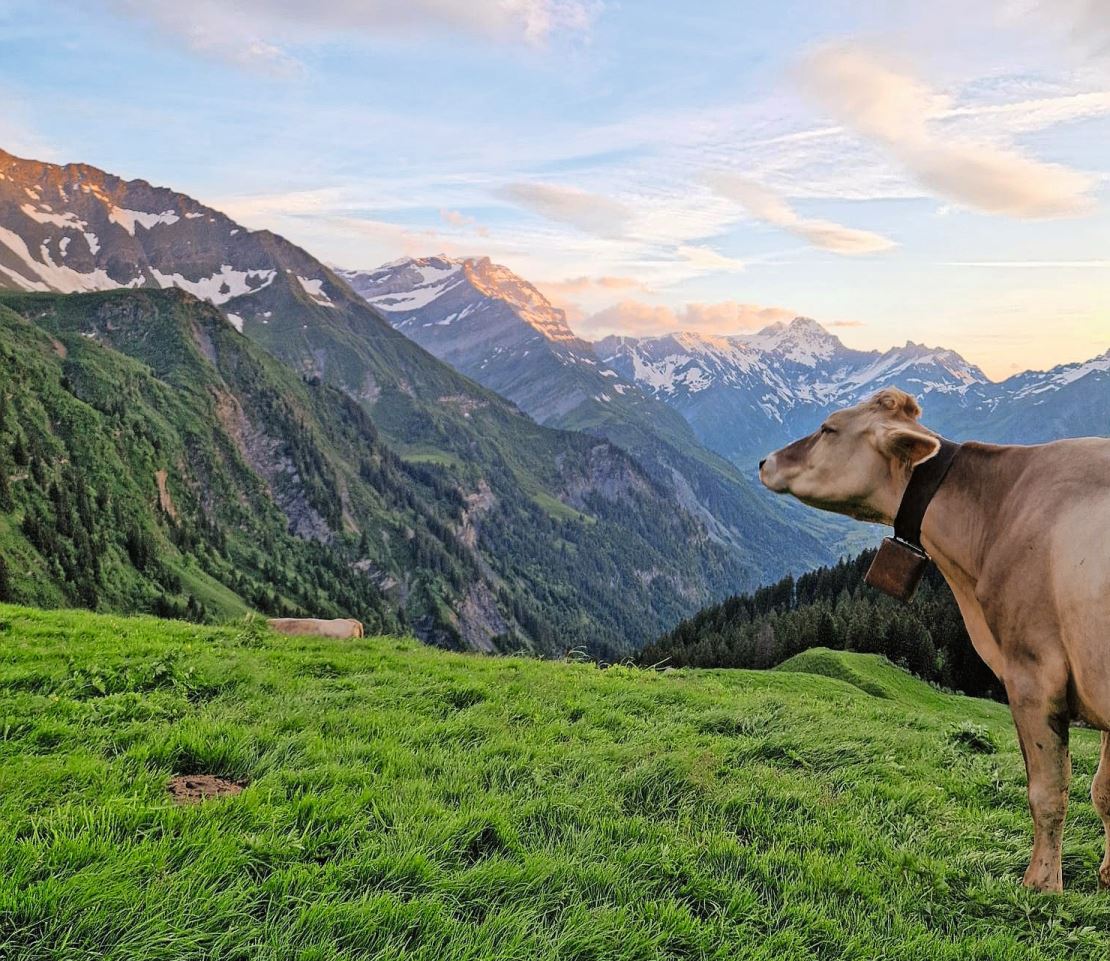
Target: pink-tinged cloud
{"x": 898, "y": 112}
{"x": 455, "y": 218}
{"x": 636, "y": 318}
{"x": 577, "y": 286}
{"x": 765, "y": 205}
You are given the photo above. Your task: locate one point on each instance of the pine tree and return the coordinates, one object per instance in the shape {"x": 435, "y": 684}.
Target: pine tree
{"x": 6, "y": 502}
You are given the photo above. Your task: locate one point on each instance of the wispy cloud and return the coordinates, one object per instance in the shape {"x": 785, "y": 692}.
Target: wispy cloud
{"x": 898, "y": 112}
{"x": 589, "y": 212}
{"x": 261, "y": 33}
{"x": 1085, "y": 24}
{"x": 647, "y": 320}
{"x": 765, "y": 205}
{"x": 706, "y": 259}
{"x": 1023, "y": 264}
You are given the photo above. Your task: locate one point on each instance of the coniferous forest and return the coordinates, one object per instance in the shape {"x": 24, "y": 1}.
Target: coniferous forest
{"x": 832, "y": 607}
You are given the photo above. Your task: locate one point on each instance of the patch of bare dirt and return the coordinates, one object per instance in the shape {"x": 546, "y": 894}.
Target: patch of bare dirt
{"x": 195, "y": 788}
{"x": 164, "y": 498}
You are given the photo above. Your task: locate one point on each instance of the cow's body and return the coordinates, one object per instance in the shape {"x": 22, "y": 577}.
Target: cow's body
{"x": 336, "y": 627}
{"x": 1021, "y": 535}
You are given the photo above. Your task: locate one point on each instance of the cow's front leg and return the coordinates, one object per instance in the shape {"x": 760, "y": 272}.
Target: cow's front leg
{"x": 1100, "y": 797}
{"x": 1042, "y": 726}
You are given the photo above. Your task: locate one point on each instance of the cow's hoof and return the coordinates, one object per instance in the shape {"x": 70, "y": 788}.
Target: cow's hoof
{"x": 1038, "y": 879}
{"x": 1104, "y": 874}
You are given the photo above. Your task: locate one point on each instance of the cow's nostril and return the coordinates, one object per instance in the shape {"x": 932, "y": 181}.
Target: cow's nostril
{"x": 762, "y": 462}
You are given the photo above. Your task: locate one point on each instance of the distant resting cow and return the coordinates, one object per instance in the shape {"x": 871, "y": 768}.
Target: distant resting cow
{"x": 1021, "y": 536}
{"x": 337, "y": 627}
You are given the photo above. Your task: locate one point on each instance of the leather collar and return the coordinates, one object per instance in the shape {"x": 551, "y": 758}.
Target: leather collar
{"x": 925, "y": 480}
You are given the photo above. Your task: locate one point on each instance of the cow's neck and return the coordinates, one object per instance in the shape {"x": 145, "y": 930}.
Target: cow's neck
{"x": 957, "y": 529}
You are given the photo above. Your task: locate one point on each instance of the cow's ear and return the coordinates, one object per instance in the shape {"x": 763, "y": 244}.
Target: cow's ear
{"x": 909, "y": 445}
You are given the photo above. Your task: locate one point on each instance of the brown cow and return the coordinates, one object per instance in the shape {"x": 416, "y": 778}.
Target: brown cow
{"x": 337, "y": 627}
{"x": 1020, "y": 534}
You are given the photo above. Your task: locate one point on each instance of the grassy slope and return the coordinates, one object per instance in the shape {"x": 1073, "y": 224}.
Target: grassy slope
{"x": 405, "y": 802}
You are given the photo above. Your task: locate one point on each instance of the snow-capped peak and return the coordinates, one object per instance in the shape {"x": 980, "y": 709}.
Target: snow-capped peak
{"x": 802, "y": 341}
{"x": 1038, "y": 382}
{"x": 411, "y": 286}
{"x": 407, "y": 284}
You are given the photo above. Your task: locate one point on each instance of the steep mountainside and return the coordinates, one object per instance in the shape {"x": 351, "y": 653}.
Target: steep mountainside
{"x": 152, "y": 458}
{"x": 493, "y": 326}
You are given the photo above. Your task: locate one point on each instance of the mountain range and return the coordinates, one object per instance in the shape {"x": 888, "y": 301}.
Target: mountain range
{"x": 202, "y": 418}
{"x": 499, "y": 330}
{"x": 741, "y": 395}
{"x": 519, "y": 534}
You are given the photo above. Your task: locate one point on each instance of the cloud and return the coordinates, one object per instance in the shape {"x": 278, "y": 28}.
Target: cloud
{"x": 706, "y": 260}
{"x": 576, "y": 286}
{"x": 1024, "y": 264}
{"x": 899, "y": 112}
{"x": 636, "y": 318}
{"x": 257, "y": 33}
{"x": 1083, "y": 23}
{"x": 455, "y": 218}
{"x": 588, "y": 212}
{"x": 767, "y": 206}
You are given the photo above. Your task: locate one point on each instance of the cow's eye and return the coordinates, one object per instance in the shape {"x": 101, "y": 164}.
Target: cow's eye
{"x": 826, "y": 429}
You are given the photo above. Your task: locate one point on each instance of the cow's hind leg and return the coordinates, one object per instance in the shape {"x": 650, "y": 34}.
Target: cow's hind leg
{"x": 1042, "y": 726}
{"x": 1100, "y": 797}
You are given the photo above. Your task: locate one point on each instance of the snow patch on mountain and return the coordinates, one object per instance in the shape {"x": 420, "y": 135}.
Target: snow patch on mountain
{"x": 45, "y": 275}
{"x": 222, "y": 286}
{"x": 127, "y": 219}
{"x": 315, "y": 289}
{"x": 47, "y": 216}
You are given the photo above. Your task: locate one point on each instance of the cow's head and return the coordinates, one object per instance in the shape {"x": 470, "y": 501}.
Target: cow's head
{"x": 858, "y": 461}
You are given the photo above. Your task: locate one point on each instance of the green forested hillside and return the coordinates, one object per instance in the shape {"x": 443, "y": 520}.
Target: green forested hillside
{"x": 403, "y": 802}
{"x": 152, "y": 458}
{"x": 832, "y": 608}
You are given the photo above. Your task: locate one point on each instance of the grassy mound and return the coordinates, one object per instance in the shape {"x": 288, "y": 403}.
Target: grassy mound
{"x": 871, "y": 673}
{"x": 401, "y": 802}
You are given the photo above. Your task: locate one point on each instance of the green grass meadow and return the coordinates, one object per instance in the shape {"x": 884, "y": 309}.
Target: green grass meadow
{"x": 403, "y": 802}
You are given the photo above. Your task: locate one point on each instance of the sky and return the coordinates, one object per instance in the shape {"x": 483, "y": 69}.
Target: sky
{"x": 896, "y": 170}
